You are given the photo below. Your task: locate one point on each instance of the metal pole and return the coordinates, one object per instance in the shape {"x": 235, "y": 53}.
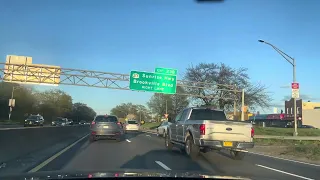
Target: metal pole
{"x": 292, "y": 61}
{"x": 10, "y": 108}
{"x": 166, "y": 107}
{"x": 235, "y": 104}
{"x": 295, "y": 100}
{"x": 242, "y": 104}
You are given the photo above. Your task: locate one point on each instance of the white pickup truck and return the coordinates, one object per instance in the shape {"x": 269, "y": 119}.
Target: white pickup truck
{"x": 204, "y": 129}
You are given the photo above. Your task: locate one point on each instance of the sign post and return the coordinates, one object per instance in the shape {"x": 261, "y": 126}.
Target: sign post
{"x": 295, "y": 94}
{"x": 153, "y": 82}
{"x": 295, "y": 90}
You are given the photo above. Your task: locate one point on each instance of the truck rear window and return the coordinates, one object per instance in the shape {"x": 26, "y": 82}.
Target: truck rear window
{"x": 207, "y": 114}
{"x": 106, "y": 119}
{"x": 132, "y": 122}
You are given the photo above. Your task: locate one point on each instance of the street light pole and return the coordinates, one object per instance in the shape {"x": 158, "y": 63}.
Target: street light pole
{"x": 292, "y": 61}
{"x": 295, "y": 100}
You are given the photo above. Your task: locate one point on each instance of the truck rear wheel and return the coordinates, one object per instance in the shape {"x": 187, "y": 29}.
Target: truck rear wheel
{"x": 191, "y": 149}
{"x": 237, "y": 155}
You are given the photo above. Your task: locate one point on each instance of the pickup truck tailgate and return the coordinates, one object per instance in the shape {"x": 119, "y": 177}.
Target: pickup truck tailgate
{"x": 227, "y": 131}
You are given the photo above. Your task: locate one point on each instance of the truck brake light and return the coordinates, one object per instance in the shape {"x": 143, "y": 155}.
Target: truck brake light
{"x": 252, "y": 132}
{"x": 202, "y": 129}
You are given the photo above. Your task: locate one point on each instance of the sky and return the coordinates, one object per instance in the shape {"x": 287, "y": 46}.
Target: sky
{"x": 122, "y": 35}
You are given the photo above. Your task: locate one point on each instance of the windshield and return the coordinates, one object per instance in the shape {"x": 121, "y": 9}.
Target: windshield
{"x": 33, "y": 117}
{"x": 160, "y": 85}
{"x": 60, "y": 119}
{"x": 207, "y": 114}
{"x": 106, "y": 119}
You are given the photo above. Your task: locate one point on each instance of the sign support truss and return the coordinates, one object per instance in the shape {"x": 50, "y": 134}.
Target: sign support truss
{"x": 35, "y": 74}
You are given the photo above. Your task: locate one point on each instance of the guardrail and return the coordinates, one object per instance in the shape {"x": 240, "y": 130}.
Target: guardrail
{"x": 299, "y": 138}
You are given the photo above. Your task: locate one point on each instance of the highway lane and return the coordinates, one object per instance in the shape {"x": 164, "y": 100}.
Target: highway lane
{"x": 146, "y": 151}
{"x": 10, "y": 127}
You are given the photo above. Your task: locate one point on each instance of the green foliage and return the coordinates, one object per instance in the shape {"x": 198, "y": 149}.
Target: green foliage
{"x": 125, "y": 109}
{"x": 173, "y": 104}
{"x": 51, "y": 104}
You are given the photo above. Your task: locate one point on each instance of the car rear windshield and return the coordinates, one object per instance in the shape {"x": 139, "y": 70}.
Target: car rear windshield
{"x": 59, "y": 119}
{"x": 207, "y": 114}
{"x": 106, "y": 119}
{"x": 132, "y": 122}
{"x": 33, "y": 117}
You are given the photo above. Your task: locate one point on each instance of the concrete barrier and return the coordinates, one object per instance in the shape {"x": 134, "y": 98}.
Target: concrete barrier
{"x": 18, "y": 142}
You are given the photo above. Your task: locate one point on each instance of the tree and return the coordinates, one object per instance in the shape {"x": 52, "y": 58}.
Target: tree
{"x": 131, "y": 111}
{"x": 81, "y": 112}
{"x": 219, "y": 82}
{"x": 24, "y": 100}
{"x": 50, "y": 104}
{"x": 179, "y": 102}
{"x": 174, "y": 103}
{"x": 53, "y": 103}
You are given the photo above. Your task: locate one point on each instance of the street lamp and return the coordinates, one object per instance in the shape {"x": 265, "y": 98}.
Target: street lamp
{"x": 292, "y": 61}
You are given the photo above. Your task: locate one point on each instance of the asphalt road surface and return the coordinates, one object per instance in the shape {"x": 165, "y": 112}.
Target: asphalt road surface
{"x": 147, "y": 151}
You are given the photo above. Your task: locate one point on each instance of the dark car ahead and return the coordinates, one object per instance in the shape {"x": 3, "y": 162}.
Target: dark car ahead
{"x": 106, "y": 127}
{"x": 59, "y": 121}
{"x": 34, "y": 120}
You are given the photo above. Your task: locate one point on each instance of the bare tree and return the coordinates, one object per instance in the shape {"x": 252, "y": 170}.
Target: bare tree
{"x": 221, "y": 83}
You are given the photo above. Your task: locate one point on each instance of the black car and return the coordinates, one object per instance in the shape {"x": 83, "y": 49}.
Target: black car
{"x": 34, "y": 120}
{"x": 59, "y": 122}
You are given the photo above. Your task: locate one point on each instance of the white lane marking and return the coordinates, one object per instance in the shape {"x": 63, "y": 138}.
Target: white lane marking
{"x": 148, "y": 135}
{"x": 128, "y": 140}
{"x": 163, "y": 165}
{"x": 44, "y": 163}
{"x": 302, "y": 177}
{"x": 317, "y": 165}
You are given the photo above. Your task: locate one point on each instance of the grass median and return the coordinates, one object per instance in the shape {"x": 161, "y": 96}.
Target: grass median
{"x": 150, "y": 125}
{"x": 11, "y": 122}
{"x": 285, "y": 131}
{"x": 295, "y": 148}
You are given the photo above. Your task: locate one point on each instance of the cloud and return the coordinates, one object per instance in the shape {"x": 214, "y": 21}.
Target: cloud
{"x": 277, "y": 105}
{"x": 304, "y": 97}
{"x": 286, "y": 86}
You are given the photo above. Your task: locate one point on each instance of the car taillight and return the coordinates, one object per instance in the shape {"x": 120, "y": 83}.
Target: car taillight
{"x": 252, "y": 132}
{"x": 93, "y": 123}
{"x": 202, "y": 129}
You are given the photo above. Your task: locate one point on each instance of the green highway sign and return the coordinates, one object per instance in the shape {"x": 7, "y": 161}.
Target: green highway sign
{"x": 168, "y": 71}
{"x": 153, "y": 82}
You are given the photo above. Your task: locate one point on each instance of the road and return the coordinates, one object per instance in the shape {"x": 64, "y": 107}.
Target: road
{"x": 147, "y": 151}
